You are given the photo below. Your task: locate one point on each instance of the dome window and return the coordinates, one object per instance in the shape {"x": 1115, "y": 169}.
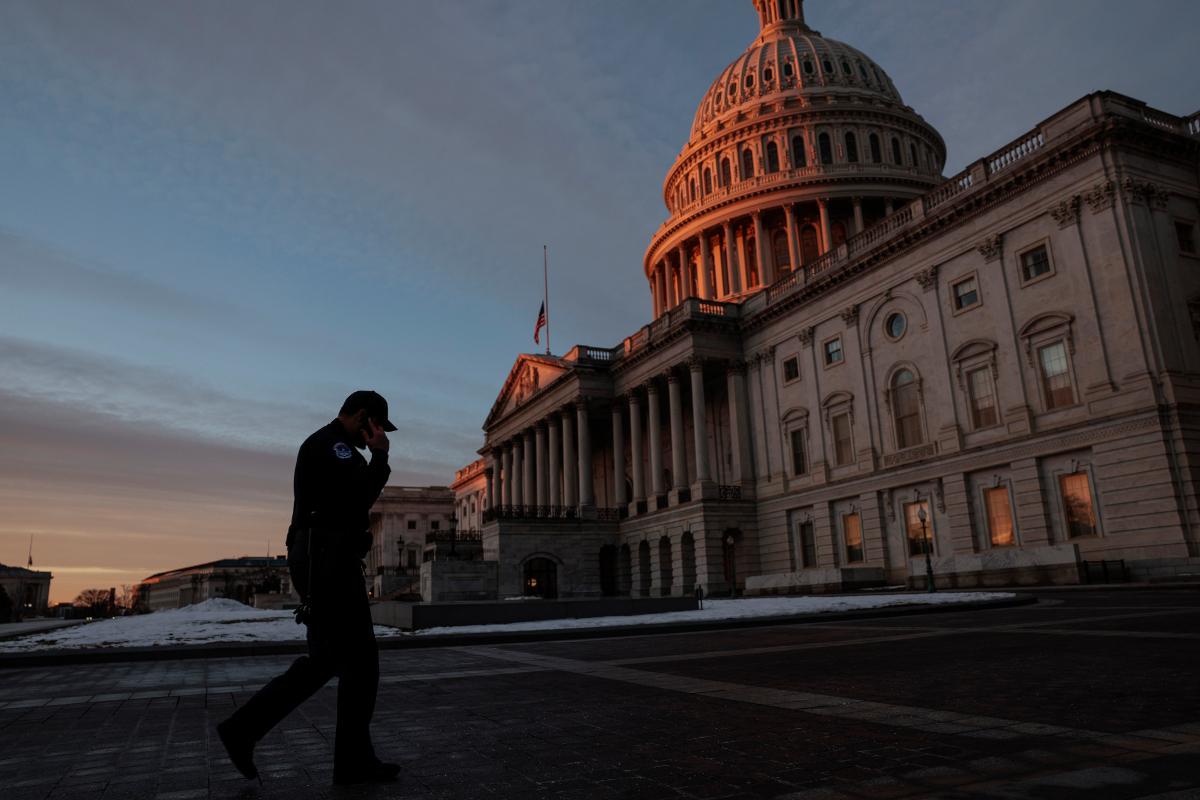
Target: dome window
{"x": 912, "y": 149}
{"x": 846, "y": 68}
{"x": 851, "y": 148}
{"x": 726, "y": 172}
{"x": 747, "y": 164}
{"x": 707, "y": 181}
{"x": 750, "y": 81}
{"x": 772, "y": 157}
{"x": 863, "y": 72}
{"x": 808, "y": 67}
{"x": 788, "y": 70}
{"x": 897, "y": 157}
{"x": 799, "y": 156}
{"x": 876, "y": 152}
{"x": 768, "y": 75}
{"x": 827, "y": 65}
{"x": 732, "y": 89}
{"x": 825, "y": 146}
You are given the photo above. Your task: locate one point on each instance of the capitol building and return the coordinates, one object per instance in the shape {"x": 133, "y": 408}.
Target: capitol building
{"x": 855, "y": 361}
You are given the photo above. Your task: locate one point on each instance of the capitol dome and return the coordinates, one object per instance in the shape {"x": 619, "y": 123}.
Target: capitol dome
{"x": 799, "y": 144}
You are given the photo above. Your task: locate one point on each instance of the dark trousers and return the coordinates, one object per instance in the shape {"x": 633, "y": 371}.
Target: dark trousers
{"x": 341, "y": 642}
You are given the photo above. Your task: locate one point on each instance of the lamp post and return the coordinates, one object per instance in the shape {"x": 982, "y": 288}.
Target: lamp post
{"x": 928, "y": 561}
{"x": 730, "y": 541}
{"x": 453, "y": 534}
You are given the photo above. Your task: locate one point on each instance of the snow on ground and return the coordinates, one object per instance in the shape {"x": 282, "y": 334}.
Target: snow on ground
{"x": 216, "y": 620}
{"x": 223, "y": 620}
{"x": 741, "y": 608}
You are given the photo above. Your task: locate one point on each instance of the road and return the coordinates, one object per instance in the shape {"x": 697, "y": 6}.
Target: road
{"x": 1086, "y": 694}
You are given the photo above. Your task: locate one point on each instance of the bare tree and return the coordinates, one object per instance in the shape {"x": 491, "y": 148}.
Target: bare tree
{"x": 95, "y": 599}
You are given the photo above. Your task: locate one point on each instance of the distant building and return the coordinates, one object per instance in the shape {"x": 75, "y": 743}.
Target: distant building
{"x": 403, "y": 520}
{"x": 262, "y": 582}
{"x": 28, "y": 590}
{"x": 470, "y": 493}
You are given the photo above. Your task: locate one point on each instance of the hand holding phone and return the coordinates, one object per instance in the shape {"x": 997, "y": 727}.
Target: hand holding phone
{"x": 376, "y": 437}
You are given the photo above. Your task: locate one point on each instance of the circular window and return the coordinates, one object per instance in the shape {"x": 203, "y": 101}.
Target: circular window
{"x": 895, "y": 325}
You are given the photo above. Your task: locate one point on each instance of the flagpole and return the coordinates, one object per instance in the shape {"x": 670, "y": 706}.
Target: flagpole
{"x": 546, "y": 291}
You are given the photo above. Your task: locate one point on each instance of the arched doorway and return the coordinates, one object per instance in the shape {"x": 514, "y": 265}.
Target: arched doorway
{"x": 687, "y": 552}
{"x": 608, "y": 570}
{"x": 729, "y": 543}
{"x": 625, "y": 574}
{"x": 666, "y": 574}
{"x": 644, "y": 569}
{"x": 541, "y": 578}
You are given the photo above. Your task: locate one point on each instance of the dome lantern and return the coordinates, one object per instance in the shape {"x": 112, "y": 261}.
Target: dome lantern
{"x": 773, "y": 13}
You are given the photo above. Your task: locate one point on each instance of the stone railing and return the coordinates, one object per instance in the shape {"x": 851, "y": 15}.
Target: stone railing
{"x": 445, "y": 537}
{"x": 1193, "y": 124}
{"x": 919, "y": 453}
{"x": 1015, "y": 152}
{"x": 729, "y": 492}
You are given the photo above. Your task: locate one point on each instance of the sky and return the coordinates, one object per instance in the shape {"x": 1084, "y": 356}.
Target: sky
{"x": 217, "y": 219}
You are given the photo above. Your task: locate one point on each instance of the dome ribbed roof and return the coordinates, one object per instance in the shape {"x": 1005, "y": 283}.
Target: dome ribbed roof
{"x": 790, "y": 59}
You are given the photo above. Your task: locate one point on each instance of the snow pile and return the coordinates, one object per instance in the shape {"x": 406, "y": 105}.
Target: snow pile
{"x": 215, "y": 620}
{"x": 742, "y": 608}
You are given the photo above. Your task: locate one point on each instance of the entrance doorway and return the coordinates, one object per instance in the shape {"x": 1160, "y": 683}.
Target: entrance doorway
{"x": 608, "y": 570}
{"x": 541, "y": 578}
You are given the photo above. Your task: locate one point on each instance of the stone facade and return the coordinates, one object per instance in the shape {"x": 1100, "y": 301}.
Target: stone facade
{"x": 28, "y": 590}
{"x": 263, "y": 582}
{"x": 403, "y": 520}
{"x": 995, "y": 370}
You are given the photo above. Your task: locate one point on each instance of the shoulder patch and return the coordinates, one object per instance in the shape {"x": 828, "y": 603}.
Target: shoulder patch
{"x": 342, "y": 450}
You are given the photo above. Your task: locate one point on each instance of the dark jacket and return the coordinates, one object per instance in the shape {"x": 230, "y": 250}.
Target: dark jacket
{"x": 335, "y": 488}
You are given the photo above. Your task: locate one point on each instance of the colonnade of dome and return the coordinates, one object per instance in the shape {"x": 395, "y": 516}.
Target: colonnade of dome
{"x": 799, "y": 144}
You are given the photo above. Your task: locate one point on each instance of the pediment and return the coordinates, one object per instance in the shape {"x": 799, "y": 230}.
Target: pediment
{"x": 528, "y": 376}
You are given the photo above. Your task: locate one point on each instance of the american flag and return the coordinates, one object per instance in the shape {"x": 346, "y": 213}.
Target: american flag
{"x": 541, "y": 323}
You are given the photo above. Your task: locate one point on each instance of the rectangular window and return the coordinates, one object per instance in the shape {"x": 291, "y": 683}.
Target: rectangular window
{"x": 798, "y": 465}
{"x": 412, "y": 558}
{"x": 843, "y": 440}
{"x": 1056, "y": 379}
{"x": 852, "y": 530}
{"x": 433, "y": 526}
{"x": 982, "y": 397}
{"x": 412, "y": 524}
{"x": 1185, "y": 232}
{"x": 791, "y": 369}
{"x": 920, "y": 534}
{"x": 966, "y": 294}
{"x": 1077, "y": 504}
{"x": 999, "y": 516}
{"x": 1035, "y": 263}
{"x": 808, "y": 544}
{"x": 833, "y": 351}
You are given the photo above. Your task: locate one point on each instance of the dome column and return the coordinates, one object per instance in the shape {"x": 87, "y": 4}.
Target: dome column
{"x": 766, "y": 270}
{"x": 826, "y": 234}
{"x": 660, "y": 277}
{"x": 731, "y": 263}
{"x": 706, "y": 289}
{"x": 635, "y": 446}
{"x": 793, "y": 242}
{"x": 654, "y": 295}
{"x": 685, "y": 272}
{"x": 858, "y": 215}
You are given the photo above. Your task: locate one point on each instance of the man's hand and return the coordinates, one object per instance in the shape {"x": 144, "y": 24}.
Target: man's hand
{"x": 377, "y": 438}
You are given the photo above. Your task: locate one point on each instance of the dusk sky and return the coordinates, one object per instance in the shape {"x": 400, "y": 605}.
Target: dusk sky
{"x": 218, "y": 218}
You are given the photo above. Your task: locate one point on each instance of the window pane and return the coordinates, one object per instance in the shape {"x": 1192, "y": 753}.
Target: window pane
{"x": 906, "y": 405}
{"x": 833, "y": 351}
{"x": 1034, "y": 263}
{"x": 852, "y": 528}
{"x": 1077, "y": 504}
{"x": 798, "y": 453}
{"x": 1187, "y": 239}
{"x": 808, "y": 544}
{"x": 1056, "y": 380}
{"x": 965, "y": 294}
{"x": 791, "y": 369}
{"x": 983, "y": 399}
{"x": 999, "y": 516}
{"x": 918, "y": 534}
{"x": 842, "y": 442}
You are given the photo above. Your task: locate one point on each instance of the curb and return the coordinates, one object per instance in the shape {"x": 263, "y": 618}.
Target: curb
{"x": 55, "y": 658}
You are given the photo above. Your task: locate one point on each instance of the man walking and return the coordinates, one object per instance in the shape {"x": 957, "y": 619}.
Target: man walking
{"x": 335, "y": 488}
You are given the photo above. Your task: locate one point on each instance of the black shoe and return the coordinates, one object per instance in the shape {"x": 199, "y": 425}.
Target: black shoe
{"x": 239, "y": 748}
{"x": 373, "y": 772}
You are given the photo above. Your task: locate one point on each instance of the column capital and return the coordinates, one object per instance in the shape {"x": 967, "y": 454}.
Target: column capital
{"x": 651, "y": 386}
{"x": 672, "y": 377}
{"x": 632, "y": 397}
{"x": 735, "y": 366}
{"x": 695, "y": 364}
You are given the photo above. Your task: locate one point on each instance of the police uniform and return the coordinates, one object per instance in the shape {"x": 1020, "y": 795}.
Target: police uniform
{"x": 335, "y": 488}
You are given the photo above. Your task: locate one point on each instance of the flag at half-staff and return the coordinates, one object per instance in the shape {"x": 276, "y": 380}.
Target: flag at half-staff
{"x": 541, "y": 323}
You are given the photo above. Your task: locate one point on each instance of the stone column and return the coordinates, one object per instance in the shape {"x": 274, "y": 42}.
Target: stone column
{"x": 489, "y": 491}
{"x": 706, "y": 284}
{"x": 555, "y": 458}
{"x": 583, "y": 433}
{"x": 664, "y": 299}
{"x": 656, "y": 468}
{"x": 700, "y": 427}
{"x": 793, "y": 242}
{"x": 518, "y": 491}
{"x": 543, "y": 475}
{"x": 766, "y": 269}
{"x": 858, "y": 215}
{"x": 529, "y": 477}
{"x": 570, "y": 482}
{"x": 635, "y": 440}
{"x": 618, "y": 452}
{"x": 653, "y": 296}
{"x": 731, "y": 263}
{"x": 678, "y": 449}
{"x": 826, "y": 234}
{"x": 739, "y": 430}
{"x": 743, "y": 270}
{"x": 685, "y": 271}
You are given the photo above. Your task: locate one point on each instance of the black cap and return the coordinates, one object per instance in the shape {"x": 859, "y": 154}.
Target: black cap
{"x": 373, "y": 403}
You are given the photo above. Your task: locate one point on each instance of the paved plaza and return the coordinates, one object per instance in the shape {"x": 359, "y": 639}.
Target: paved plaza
{"x": 1086, "y": 694}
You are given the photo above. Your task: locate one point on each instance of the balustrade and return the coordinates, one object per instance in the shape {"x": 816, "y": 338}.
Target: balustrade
{"x": 1011, "y": 155}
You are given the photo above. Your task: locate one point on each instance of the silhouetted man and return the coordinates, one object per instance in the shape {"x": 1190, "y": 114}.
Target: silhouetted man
{"x": 335, "y": 488}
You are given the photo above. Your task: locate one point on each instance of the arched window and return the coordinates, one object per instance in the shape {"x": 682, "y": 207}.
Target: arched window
{"x": 780, "y": 253}
{"x": 837, "y": 232}
{"x": 897, "y": 158}
{"x": 906, "y": 409}
{"x": 912, "y": 150}
{"x": 826, "y": 148}
{"x": 809, "y": 249}
{"x": 772, "y": 157}
{"x": 799, "y": 155}
{"x": 851, "y": 148}
{"x": 747, "y": 164}
{"x": 691, "y": 190}
{"x": 751, "y": 262}
{"x": 707, "y": 181}
{"x": 726, "y": 172}
{"x": 876, "y": 153}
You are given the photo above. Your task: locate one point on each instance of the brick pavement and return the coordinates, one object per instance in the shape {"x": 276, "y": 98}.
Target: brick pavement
{"x": 1090, "y": 694}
